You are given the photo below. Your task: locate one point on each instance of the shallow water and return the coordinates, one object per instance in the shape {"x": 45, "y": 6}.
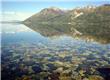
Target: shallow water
{"x": 28, "y": 54}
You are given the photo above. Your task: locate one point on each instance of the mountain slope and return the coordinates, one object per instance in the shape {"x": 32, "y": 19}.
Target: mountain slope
{"x": 96, "y": 24}
{"x": 88, "y": 21}
{"x": 44, "y": 15}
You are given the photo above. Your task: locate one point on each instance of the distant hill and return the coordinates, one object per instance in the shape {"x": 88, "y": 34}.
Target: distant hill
{"x": 91, "y": 22}
{"x": 12, "y": 21}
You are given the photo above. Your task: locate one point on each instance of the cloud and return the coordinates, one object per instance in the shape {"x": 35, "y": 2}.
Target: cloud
{"x": 8, "y": 12}
{"x": 7, "y": 15}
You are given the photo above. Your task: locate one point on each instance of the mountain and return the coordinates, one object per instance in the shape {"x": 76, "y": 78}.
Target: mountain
{"x": 95, "y": 24}
{"x": 90, "y": 22}
{"x": 44, "y": 15}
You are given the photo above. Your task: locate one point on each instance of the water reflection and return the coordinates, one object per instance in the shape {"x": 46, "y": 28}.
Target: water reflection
{"x": 29, "y": 55}
{"x": 53, "y": 29}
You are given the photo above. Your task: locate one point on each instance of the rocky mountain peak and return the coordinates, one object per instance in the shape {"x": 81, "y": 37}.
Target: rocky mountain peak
{"x": 52, "y": 10}
{"x": 55, "y": 8}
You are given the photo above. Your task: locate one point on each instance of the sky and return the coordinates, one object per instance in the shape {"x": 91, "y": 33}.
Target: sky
{"x": 22, "y": 9}
{"x": 35, "y": 6}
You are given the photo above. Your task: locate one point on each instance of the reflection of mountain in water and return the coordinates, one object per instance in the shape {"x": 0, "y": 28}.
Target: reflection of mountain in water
{"x": 92, "y": 24}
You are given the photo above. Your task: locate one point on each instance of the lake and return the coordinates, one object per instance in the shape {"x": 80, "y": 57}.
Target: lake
{"x": 29, "y": 55}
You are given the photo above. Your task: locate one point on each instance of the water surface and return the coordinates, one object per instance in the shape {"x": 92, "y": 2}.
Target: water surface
{"x": 31, "y": 55}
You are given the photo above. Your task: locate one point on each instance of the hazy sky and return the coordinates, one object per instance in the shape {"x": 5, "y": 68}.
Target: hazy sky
{"x": 35, "y": 6}
{"x": 21, "y": 9}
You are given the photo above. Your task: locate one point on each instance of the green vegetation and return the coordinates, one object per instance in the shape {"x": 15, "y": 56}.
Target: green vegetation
{"x": 93, "y": 23}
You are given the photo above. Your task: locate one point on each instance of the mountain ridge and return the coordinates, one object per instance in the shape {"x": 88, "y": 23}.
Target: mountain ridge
{"x": 92, "y": 21}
